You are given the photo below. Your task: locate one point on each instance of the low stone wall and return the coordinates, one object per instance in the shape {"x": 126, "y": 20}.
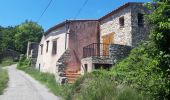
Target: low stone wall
{"x": 10, "y": 54}
{"x": 118, "y": 52}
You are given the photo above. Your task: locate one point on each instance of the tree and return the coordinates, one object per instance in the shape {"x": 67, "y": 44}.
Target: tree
{"x": 8, "y": 38}
{"x": 160, "y": 35}
{"x": 27, "y": 31}
{"x": 1, "y": 28}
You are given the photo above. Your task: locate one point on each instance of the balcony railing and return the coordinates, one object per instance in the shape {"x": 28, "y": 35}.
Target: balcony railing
{"x": 96, "y": 49}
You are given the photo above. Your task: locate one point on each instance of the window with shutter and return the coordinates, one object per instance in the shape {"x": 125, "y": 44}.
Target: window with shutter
{"x": 54, "y": 49}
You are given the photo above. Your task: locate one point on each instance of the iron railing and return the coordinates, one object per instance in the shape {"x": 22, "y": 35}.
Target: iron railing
{"x": 96, "y": 49}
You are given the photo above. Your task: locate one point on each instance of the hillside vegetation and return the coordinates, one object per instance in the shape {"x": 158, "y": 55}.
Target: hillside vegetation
{"x": 3, "y": 80}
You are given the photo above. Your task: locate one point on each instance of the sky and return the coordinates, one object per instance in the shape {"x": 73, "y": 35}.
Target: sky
{"x": 14, "y": 12}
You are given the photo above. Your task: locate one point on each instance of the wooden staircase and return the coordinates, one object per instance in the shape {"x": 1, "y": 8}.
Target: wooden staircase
{"x": 72, "y": 75}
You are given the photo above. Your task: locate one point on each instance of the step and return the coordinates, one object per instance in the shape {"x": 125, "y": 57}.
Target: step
{"x": 72, "y": 74}
{"x": 71, "y": 71}
{"x": 71, "y": 82}
{"x": 72, "y": 79}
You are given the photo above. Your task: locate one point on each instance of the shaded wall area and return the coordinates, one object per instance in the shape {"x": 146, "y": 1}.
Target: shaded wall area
{"x": 118, "y": 52}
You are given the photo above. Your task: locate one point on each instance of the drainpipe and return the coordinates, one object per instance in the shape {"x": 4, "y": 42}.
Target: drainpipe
{"x": 98, "y": 39}
{"x": 67, "y": 28}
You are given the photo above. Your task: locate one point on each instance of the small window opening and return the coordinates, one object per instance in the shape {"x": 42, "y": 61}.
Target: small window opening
{"x": 41, "y": 48}
{"x": 85, "y": 66}
{"x": 121, "y": 21}
{"x": 47, "y": 46}
{"x": 140, "y": 20}
{"x": 39, "y": 67}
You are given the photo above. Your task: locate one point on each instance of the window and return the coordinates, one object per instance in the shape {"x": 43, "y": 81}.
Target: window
{"x": 140, "y": 20}
{"x": 121, "y": 21}
{"x": 85, "y": 65}
{"x": 41, "y": 48}
{"x": 54, "y": 49}
{"x": 47, "y": 46}
{"x": 39, "y": 67}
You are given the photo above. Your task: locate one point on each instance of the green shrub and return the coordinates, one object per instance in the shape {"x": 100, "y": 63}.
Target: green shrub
{"x": 141, "y": 71}
{"x": 98, "y": 85}
{"x": 6, "y": 62}
{"x": 24, "y": 62}
{"x": 3, "y": 80}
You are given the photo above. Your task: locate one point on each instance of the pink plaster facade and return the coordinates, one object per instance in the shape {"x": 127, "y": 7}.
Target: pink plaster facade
{"x": 72, "y": 35}
{"x": 81, "y": 34}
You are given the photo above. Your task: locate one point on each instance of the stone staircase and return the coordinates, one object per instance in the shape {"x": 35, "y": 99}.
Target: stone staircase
{"x": 67, "y": 74}
{"x": 72, "y": 75}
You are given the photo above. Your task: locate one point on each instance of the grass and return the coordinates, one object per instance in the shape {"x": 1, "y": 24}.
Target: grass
{"x": 3, "y": 80}
{"x": 6, "y": 62}
{"x": 98, "y": 85}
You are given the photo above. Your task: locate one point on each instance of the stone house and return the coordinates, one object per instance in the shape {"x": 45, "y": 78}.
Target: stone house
{"x": 120, "y": 30}
{"x": 74, "y": 47}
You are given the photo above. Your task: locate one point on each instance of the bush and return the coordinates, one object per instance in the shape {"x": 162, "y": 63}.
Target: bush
{"x": 3, "y": 80}
{"x": 24, "y": 62}
{"x": 140, "y": 70}
{"x": 98, "y": 85}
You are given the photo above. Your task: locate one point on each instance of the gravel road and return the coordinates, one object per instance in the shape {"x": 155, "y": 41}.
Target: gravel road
{"x": 23, "y": 87}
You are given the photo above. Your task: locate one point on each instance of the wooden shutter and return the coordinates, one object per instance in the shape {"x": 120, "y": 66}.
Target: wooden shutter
{"x": 107, "y": 39}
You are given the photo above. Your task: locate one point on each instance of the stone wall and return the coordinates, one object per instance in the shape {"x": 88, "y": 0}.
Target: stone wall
{"x": 131, "y": 34}
{"x": 118, "y": 52}
{"x": 91, "y": 61}
{"x": 9, "y": 54}
{"x": 122, "y": 35}
{"x": 32, "y": 51}
{"x": 139, "y": 33}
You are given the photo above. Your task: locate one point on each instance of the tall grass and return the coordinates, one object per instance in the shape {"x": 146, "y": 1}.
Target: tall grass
{"x": 98, "y": 85}
{"x": 3, "y": 80}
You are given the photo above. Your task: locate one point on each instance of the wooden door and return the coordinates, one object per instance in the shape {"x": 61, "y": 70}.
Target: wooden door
{"x": 107, "y": 39}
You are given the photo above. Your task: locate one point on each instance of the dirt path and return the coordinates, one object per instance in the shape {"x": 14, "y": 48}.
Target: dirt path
{"x": 23, "y": 87}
